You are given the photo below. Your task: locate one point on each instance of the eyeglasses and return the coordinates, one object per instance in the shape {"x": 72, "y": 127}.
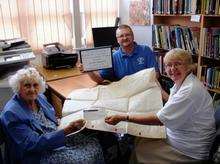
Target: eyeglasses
{"x": 173, "y": 64}
{"x": 124, "y": 35}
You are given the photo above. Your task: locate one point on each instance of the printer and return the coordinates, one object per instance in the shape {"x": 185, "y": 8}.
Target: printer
{"x": 55, "y": 56}
{"x": 13, "y": 51}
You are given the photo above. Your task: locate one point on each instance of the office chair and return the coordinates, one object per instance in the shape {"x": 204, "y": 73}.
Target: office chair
{"x": 117, "y": 21}
{"x": 214, "y": 155}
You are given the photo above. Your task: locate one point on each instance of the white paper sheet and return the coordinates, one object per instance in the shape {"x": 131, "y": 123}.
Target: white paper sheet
{"x": 134, "y": 94}
{"x": 96, "y": 58}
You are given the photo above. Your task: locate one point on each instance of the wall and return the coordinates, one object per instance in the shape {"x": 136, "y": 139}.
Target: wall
{"x": 142, "y": 34}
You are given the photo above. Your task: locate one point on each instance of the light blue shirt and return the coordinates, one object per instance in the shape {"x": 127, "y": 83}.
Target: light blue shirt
{"x": 126, "y": 64}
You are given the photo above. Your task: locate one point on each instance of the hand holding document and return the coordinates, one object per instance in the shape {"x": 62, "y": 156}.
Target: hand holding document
{"x": 71, "y": 126}
{"x": 93, "y": 114}
{"x": 96, "y": 58}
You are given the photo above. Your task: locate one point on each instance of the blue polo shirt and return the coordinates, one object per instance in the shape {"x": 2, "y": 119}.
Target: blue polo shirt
{"x": 141, "y": 58}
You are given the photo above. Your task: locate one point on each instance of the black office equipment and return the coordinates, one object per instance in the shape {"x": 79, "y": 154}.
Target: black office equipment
{"x": 104, "y": 36}
{"x": 56, "y": 56}
{"x": 15, "y": 43}
{"x": 15, "y": 50}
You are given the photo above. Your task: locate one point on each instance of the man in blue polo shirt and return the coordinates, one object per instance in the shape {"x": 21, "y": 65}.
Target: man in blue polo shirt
{"x": 129, "y": 59}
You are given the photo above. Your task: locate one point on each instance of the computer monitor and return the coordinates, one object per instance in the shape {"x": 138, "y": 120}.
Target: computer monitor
{"x": 104, "y": 36}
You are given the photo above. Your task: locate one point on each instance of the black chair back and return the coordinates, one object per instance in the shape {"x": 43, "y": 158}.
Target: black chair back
{"x": 216, "y": 143}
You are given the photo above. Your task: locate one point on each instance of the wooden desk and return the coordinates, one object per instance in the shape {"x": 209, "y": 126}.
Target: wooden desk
{"x": 60, "y": 89}
{"x": 55, "y": 74}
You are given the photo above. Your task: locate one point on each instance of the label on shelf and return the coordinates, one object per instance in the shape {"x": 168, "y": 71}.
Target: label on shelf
{"x": 195, "y": 18}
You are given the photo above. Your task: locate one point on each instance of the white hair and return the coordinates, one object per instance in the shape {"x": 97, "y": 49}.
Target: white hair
{"x": 26, "y": 73}
{"x": 182, "y": 55}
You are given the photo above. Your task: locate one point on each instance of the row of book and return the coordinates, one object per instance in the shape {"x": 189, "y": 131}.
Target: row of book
{"x": 211, "y": 7}
{"x": 211, "y": 77}
{"x": 169, "y": 37}
{"x": 176, "y": 7}
{"x": 211, "y": 42}
{"x": 160, "y": 62}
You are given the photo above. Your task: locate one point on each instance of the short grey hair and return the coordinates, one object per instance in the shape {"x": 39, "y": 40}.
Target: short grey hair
{"x": 180, "y": 54}
{"x": 26, "y": 73}
{"x": 124, "y": 26}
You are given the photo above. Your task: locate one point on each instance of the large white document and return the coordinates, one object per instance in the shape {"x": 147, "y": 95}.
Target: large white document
{"x": 137, "y": 94}
{"x": 96, "y": 58}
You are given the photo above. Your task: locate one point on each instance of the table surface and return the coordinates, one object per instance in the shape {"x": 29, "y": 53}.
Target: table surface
{"x": 54, "y": 74}
{"x": 65, "y": 86}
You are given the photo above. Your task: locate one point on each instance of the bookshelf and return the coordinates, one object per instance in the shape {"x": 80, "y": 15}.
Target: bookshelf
{"x": 194, "y": 26}
{"x": 209, "y": 54}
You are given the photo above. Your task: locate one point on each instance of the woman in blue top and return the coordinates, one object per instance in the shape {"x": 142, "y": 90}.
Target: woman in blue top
{"x": 129, "y": 59}
{"x": 30, "y": 127}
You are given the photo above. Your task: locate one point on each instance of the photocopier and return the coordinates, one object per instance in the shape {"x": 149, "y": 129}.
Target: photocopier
{"x": 15, "y": 51}
{"x": 14, "y": 55}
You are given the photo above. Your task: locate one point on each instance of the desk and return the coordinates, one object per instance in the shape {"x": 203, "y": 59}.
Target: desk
{"x": 60, "y": 89}
{"x": 55, "y": 74}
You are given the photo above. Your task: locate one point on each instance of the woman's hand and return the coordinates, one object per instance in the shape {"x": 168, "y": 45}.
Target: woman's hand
{"x": 113, "y": 120}
{"x": 74, "y": 126}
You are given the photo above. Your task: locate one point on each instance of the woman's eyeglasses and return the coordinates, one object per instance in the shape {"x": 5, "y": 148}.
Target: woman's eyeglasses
{"x": 173, "y": 64}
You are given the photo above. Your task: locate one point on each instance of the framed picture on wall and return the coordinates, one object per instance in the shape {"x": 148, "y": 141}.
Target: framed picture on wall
{"x": 139, "y": 12}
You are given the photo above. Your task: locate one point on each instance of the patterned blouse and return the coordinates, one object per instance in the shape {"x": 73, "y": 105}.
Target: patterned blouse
{"x": 79, "y": 149}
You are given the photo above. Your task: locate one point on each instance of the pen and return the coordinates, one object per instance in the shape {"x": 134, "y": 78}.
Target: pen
{"x": 91, "y": 110}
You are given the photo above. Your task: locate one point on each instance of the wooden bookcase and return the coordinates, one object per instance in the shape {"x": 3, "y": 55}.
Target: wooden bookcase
{"x": 206, "y": 22}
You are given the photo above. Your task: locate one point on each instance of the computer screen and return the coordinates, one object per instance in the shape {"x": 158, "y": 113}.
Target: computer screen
{"x": 104, "y": 36}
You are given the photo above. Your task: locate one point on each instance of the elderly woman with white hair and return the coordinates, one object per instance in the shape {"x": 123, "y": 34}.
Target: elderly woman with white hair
{"x": 30, "y": 127}
{"x": 188, "y": 116}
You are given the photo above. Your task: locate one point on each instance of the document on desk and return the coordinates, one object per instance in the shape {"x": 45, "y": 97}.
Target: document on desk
{"x": 137, "y": 94}
{"x": 96, "y": 58}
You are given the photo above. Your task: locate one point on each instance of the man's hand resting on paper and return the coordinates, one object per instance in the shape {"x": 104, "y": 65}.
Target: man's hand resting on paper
{"x": 74, "y": 126}
{"x": 115, "y": 119}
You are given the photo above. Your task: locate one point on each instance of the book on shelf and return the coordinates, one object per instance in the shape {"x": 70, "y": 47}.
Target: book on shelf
{"x": 176, "y": 7}
{"x": 211, "y": 42}
{"x": 211, "y": 77}
{"x": 160, "y": 62}
{"x": 174, "y": 27}
{"x": 168, "y": 37}
{"x": 211, "y": 7}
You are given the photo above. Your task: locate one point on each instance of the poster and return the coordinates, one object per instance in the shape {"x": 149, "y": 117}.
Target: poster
{"x": 139, "y": 12}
